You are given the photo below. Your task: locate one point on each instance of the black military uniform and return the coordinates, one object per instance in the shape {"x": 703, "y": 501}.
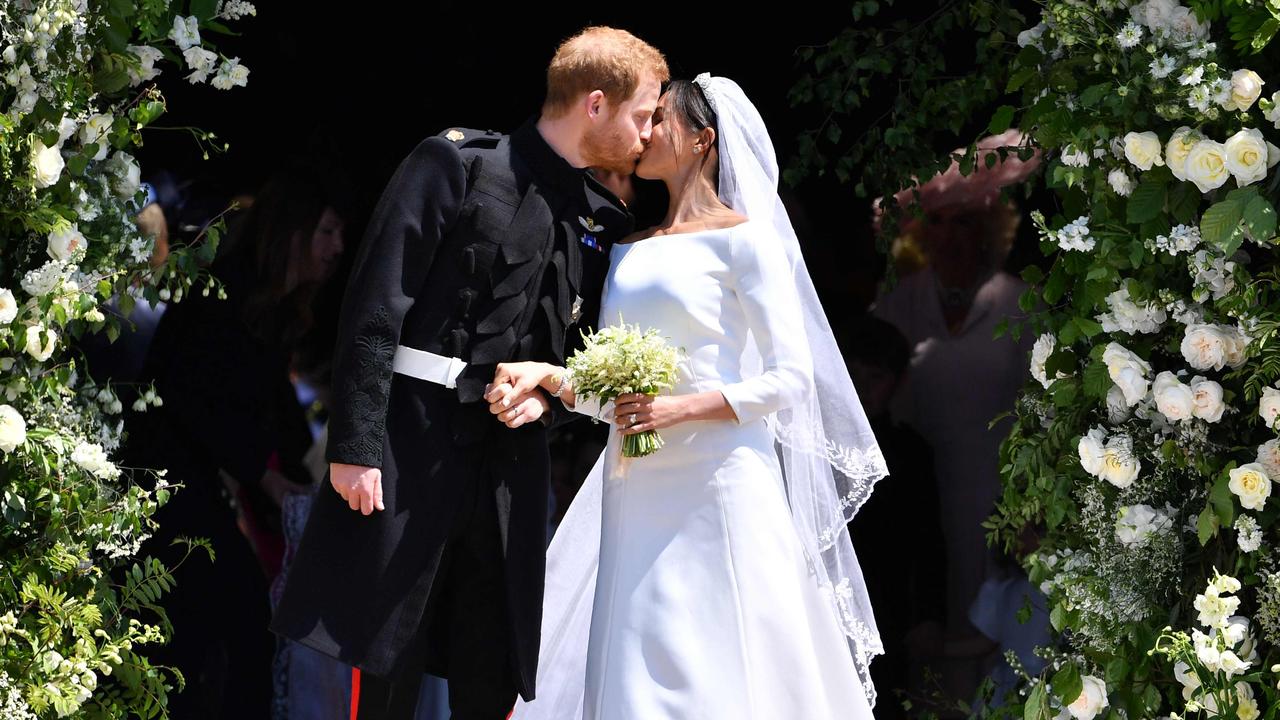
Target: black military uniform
{"x": 487, "y": 248}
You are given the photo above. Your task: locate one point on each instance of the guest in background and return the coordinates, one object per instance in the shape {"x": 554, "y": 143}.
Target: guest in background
{"x": 232, "y": 432}
{"x": 952, "y": 294}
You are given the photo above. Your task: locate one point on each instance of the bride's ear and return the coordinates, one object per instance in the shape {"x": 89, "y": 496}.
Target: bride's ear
{"x": 706, "y": 139}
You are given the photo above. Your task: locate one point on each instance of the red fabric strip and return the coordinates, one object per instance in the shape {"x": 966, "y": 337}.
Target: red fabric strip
{"x": 355, "y": 692}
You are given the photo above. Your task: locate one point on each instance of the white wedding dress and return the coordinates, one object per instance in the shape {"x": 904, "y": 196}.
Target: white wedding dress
{"x": 705, "y": 604}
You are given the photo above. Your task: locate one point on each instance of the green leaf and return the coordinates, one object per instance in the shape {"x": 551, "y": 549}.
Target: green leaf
{"x": 1264, "y": 33}
{"x": 1222, "y": 500}
{"x": 1207, "y": 525}
{"x": 1260, "y": 217}
{"x": 1136, "y": 253}
{"x": 203, "y": 9}
{"x": 1020, "y": 78}
{"x": 1036, "y": 703}
{"x": 1184, "y": 200}
{"x": 1069, "y": 333}
{"x": 1146, "y": 202}
{"x": 146, "y": 113}
{"x": 1220, "y": 225}
{"x": 1067, "y": 684}
{"x": 77, "y": 163}
{"x": 1055, "y": 286}
{"x": 1097, "y": 380}
{"x": 111, "y": 81}
{"x": 1087, "y": 326}
{"x": 1058, "y": 618}
{"x": 1116, "y": 672}
{"x": 1094, "y": 93}
{"x": 1001, "y": 120}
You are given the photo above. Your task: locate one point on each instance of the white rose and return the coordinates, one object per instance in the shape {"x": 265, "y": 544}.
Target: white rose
{"x": 1246, "y": 86}
{"x": 1117, "y": 408}
{"x": 47, "y": 162}
{"x": 1247, "y": 156}
{"x": 66, "y": 243}
{"x": 1143, "y": 149}
{"x": 1092, "y": 451}
{"x": 34, "y": 348}
{"x": 66, "y": 128}
{"x": 1207, "y": 397}
{"x": 8, "y": 306}
{"x": 1127, "y": 371}
{"x": 1137, "y": 523}
{"x": 1177, "y": 149}
{"x": 1120, "y": 466}
{"x": 1120, "y": 182}
{"x": 1092, "y": 700}
{"x": 1205, "y": 347}
{"x": 13, "y": 429}
{"x": 127, "y": 174}
{"x": 95, "y": 131}
{"x": 1269, "y": 406}
{"x": 1173, "y": 399}
{"x": 1250, "y": 483}
{"x": 1236, "y": 344}
{"x": 1185, "y": 26}
{"x": 1269, "y": 457}
{"x": 1206, "y": 165}
{"x": 1040, "y": 353}
{"x": 1155, "y": 14}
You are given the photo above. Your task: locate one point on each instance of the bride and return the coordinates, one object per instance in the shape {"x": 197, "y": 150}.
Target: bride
{"x": 714, "y": 578}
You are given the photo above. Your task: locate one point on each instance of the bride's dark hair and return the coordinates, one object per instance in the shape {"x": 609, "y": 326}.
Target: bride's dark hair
{"x": 686, "y": 101}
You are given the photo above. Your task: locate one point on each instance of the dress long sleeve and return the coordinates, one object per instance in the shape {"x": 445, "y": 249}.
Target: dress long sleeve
{"x": 763, "y": 280}
{"x": 417, "y": 208}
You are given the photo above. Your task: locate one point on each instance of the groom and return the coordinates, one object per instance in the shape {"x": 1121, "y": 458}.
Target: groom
{"x": 430, "y": 554}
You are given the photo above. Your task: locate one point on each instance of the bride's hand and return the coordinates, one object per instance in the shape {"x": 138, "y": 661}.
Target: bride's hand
{"x": 637, "y": 413}
{"x": 519, "y": 379}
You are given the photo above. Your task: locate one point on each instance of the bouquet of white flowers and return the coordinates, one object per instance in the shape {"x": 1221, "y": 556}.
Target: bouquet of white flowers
{"x": 621, "y": 359}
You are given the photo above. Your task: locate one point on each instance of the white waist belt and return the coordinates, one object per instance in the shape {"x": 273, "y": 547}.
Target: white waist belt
{"x": 427, "y": 366}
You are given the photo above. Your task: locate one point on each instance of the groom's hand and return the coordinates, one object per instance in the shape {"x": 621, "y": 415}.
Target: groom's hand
{"x": 521, "y": 409}
{"x": 512, "y": 382}
{"x": 360, "y": 486}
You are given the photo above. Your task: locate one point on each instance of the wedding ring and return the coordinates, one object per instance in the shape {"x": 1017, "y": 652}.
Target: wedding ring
{"x": 631, "y": 419}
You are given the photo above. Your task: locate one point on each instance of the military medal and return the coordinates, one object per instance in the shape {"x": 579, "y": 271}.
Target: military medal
{"x": 587, "y": 238}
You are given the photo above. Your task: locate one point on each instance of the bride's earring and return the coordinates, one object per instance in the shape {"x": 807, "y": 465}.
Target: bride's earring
{"x": 696, "y": 149}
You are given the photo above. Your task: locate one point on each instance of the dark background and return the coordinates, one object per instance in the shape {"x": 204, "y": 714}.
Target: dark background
{"x": 355, "y": 90}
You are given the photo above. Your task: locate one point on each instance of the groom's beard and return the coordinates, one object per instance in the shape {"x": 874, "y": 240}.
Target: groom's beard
{"x": 605, "y": 148}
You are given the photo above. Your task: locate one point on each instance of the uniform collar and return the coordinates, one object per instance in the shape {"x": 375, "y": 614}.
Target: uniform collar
{"x": 550, "y": 167}
{"x": 601, "y": 206}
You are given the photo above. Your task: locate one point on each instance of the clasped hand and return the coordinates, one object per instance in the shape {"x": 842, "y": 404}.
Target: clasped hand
{"x": 514, "y": 396}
